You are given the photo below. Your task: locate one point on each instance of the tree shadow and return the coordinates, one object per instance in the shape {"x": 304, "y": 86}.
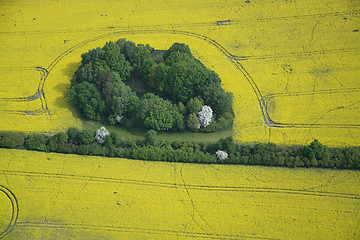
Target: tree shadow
{"x": 64, "y": 88}
{"x": 63, "y": 101}
{"x": 71, "y": 68}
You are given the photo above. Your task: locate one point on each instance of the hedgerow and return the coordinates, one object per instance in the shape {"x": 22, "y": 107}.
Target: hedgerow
{"x": 225, "y": 151}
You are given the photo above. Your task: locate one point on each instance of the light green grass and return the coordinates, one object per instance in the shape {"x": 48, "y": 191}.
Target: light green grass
{"x": 138, "y": 133}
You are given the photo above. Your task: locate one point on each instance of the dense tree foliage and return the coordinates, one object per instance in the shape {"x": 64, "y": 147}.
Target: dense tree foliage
{"x": 193, "y": 122}
{"x": 194, "y": 105}
{"x": 161, "y": 114}
{"x": 87, "y": 136}
{"x": 87, "y": 97}
{"x": 100, "y": 88}
{"x": 225, "y": 151}
{"x": 11, "y": 139}
{"x": 37, "y": 141}
{"x": 151, "y": 137}
{"x": 74, "y": 135}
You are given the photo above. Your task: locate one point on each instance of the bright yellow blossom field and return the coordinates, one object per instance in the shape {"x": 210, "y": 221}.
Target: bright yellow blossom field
{"x": 293, "y": 67}
{"x": 58, "y": 196}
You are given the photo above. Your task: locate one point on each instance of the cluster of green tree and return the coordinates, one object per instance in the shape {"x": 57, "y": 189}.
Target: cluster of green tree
{"x": 270, "y": 154}
{"x": 180, "y": 85}
{"x": 267, "y": 154}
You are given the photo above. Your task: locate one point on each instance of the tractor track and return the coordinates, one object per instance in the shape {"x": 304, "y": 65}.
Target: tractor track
{"x": 234, "y": 60}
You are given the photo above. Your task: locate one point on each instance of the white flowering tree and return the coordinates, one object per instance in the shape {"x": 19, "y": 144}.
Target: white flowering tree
{"x": 205, "y": 116}
{"x": 101, "y": 133}
{"x": 221, "y": 155}
{"x": 118, "y": 118}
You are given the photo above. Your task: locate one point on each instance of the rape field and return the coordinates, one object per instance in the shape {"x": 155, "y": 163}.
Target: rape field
{"x": 57, "y": 196}
{"x": 293, "y": 66}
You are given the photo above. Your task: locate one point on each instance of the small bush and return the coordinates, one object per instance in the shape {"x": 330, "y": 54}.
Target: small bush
{"x": 37, "y": 141}
{"x": 87, "y": 136}
{"x": 11, "y": 139}
{"x": 116, "y": 139}
{"x": 151, "y": 137}
{"x": 74, "y": 135}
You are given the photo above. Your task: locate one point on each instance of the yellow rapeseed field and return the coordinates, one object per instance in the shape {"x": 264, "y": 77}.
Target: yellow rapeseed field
{"x": 59, "y": 196}
{"x": 293, "y": 66}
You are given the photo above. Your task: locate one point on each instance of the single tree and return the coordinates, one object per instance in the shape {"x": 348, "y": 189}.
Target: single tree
{"x": 194, "y": 105}
{"x": 151, "y": 137}
{"x": 193, "y": 122}
{"x": 87, "y": 136}
{"x": 205, "y": 116}
{"x": 101, "y": 133}
{"x": 221, "y": 155}
{"x": 11, "y": 139}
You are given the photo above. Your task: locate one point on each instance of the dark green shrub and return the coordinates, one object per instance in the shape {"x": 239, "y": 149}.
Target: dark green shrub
{"x": 244, "y": 160}
{"x": 298, "y": 162}
{"x": 87, "y": 97}
{"x": 108, "y": 141}
{"x": 321, "y": 151}
{"x": 36, "y": 141}
{"x": 151, "y": 137}
{"x": 193, "y": 122}
{"x": 116, "y": 139}
{"x": 130, "y": 142}
{"x": 255, "y": 159}
{"x": 98, "y": 150}
{"x": 57, "y": 142}
{"x": 194, "y": 105}
{"x": 176, "y": 144}
{"x": 119, "y": 152}
{"x": 11, "y": 139}
{"x": 280, "y": 161}
{"x": 226, "y": 145}
{"x": 87, "y": 136}
{"x": 290, "y": 161}
{"x": 74, "y": 135}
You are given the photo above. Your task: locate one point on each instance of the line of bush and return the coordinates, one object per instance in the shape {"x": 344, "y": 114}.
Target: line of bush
{"x": 103, "y": 143}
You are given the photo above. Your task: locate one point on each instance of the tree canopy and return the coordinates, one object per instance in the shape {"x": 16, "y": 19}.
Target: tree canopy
{"x": 174, "y": 89}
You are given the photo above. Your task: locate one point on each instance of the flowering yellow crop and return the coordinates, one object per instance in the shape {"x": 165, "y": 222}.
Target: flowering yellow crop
{"x": 59, "y": 196}
{"x": 293, "y": 67}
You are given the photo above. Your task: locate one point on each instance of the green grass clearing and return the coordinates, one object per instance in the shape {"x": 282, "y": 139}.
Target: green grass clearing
{"x": 138, "y": 133}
